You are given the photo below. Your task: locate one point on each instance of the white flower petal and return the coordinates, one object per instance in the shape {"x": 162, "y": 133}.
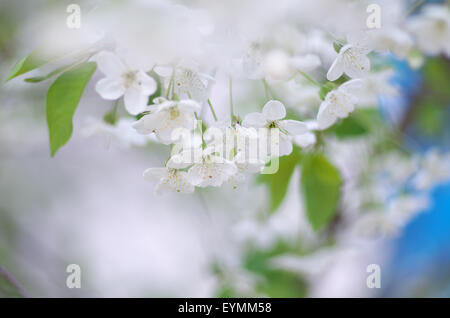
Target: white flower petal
{"x": 293, "y": 127}
{"x": 155, "y": 174}
{"x": 110, "y": 88}
{"x": 110, "y": 64}
{"x": 189, "y": 105}
{"x": 135, "y": 100}
{"x": 184, "y": 186}
{"x": 306, "y": 63}
{"x": 285, "y": 145}
{"x": 164, "y": 134}
{"x": 305, "y": 140}
{"x": 254, "y": 120}
{"x": 352, "y": 87}
{"x": 356, "y": 66}
{"x": 325, "y": 117}
{"x": 146, "y": 83}
{"x": 274, "y": 110}
{"x": 195, "y": 175}
{"x": 163, "y": 71}
{"x": 336, "y": 69}
{"x": 148, "y": 124}
{"x": 181, "y": 160}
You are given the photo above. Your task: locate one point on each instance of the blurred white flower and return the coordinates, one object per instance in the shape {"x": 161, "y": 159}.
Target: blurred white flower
{"x": 276, "y": 65}
{"x": 186, "y": 81}
{"x": 271, "y": 117}
{"x": 169, "y": 180}
{"x": 246, "y": 165}
{"x": 135, "y": 85}
{"x": 435, "y": 169}
{"x": 351, "y": 60}
{"x": 375, "y": 85}
{"x": 399, "y": 212}
{"x": 432, "y": 29}
{"x": 122, "y": 131}
{"x": 393, "y": 39}
{"x": 167, "y": 115}
{"x": 338, "y": 103}
{"x": 305, "y": 140}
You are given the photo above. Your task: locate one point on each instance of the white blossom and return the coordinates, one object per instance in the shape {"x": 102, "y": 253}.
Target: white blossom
{"x": 435, "y": 169}
{"x": 121, "y": 80}
{"x": 122, "y": 132}
{"x": 338, "y": 103}
{"x": 393, "y": 39}
{"x": 306, "y": 140}
{"x": 432, "y": 30}
{"x": 272, "y": 117}
{"x": 276, "y": 65}
{"x": 165, "y": 116}
{"x": 351, "y": 60}
{"x": 376, "y": 85}
{"x": 186, "y": 81}
{"x": 207, "y": 167}
{"x": 247, "y": 165}
{"x": 169, "y": 180}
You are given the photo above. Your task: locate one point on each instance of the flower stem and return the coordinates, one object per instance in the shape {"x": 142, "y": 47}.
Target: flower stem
{"x": 170, "y": 86}
{"x": 4, "y": 274}
{"x": 267, "y": 90}
{"x": 309, "y": 78}
{"x": 414, "y": 7}
{"x": 231, "y": 99}
{"x": 212, "y": 109}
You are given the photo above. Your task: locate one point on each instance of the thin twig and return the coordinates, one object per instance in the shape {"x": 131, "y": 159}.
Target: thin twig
{"x": 6, "y": 275}
{"x": 267, "y": 90}
{"x": 414, "y": 7}
{"x": 231, "y": 99}
{"x": 309, "y": 78}
{"x": 212, "y": 109}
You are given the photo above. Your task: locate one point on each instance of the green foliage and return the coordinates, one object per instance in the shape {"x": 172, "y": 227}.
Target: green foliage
{"x": 359, "y": 123}
{"x": 278, "y": 182}
{"x": 275, "y": 283}
{"x": 62, "y": 99}
{"x": 349, "y": 127}
{"x": 436, "y": 72}
{"x": 32, "y": 61}
{"x": 321, "y": 185}
{"x": 431, "y": 117}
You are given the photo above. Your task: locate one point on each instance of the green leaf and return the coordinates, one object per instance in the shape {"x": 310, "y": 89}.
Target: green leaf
{"x": 32, "y": 61}
{"x": 358, "y": 124}
{"x": 436, "y": 72}
{"x": 38, "y": 79}
{"x": 278, "y": 182}
{"x": 431, "y": 117}
{"x": 158, "y": 91}
{"x": 349, "y": 127}
{"x": 337, "y": 45}
{"x": 62, "y": 99}
{"x": 274, "y": 282}
{"x": 321, "y": 184}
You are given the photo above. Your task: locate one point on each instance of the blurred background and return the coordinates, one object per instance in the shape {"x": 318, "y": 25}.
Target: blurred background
{"x": 90, "y": 206}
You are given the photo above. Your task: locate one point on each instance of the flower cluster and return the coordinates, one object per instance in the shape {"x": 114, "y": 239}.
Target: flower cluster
{"x": 185, "y": 92}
